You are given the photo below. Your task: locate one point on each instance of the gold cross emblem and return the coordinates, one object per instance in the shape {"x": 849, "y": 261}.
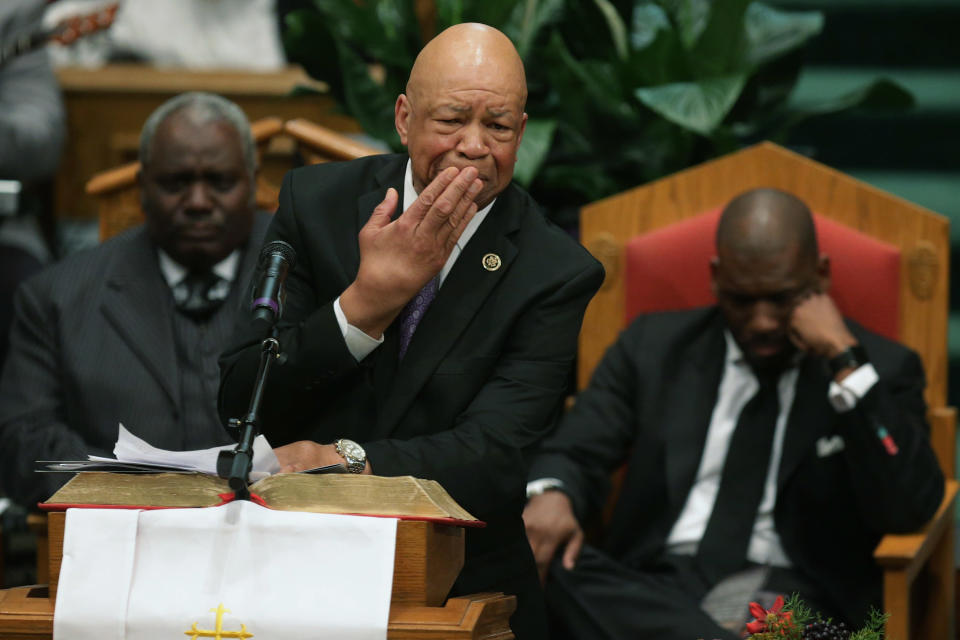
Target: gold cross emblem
{"x": 217, "y": 633}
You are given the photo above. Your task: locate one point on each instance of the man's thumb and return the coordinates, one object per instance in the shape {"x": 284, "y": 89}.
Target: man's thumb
{"x": 384, "y": 211}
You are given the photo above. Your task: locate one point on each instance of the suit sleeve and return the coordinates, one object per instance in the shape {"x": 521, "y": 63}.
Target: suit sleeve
{"x": 895, "y": 493}
{"x": 480, "y": 460}
{"x": 32, "y": 405}
{"x": 313, "y": 346}
{"x": 594, "y": 438}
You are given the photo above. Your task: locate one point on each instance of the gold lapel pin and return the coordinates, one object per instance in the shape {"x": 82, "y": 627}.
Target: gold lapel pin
{"x": 491, "y": 262}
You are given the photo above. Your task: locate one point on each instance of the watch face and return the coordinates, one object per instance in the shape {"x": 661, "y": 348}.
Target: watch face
{"x": 351, "y": 449}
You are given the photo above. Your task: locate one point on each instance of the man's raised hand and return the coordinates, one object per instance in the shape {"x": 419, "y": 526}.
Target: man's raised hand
{"x": 398, "y": 257}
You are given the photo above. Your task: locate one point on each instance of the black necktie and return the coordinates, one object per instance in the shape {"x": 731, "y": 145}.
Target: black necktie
{"x": 723, "y": 549}
{"x": 196, "y": 296}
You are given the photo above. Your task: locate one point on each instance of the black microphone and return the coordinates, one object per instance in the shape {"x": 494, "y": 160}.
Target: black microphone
{"x": 276, "y": 259}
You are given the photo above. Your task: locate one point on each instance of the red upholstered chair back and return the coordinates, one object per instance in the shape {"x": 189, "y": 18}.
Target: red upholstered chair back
{"x": 669, "y": 269}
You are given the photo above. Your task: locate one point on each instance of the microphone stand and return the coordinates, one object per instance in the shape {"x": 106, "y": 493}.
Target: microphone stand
{"x": 236, "y": 464}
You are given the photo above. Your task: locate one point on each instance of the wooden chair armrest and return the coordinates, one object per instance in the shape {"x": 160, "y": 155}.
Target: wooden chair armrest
{"x": 327, "y": 141}
{"x": 910, "y": 551}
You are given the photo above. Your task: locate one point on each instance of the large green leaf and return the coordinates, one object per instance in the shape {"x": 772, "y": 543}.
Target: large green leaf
{"x": 657, "y": 55}
{"x": 719, "y": 48}
{"x": 534, "y": 149}
{"x": 881, "y": 94}
{"x": 771, "y": 33}
{"x": 697, "y": 106}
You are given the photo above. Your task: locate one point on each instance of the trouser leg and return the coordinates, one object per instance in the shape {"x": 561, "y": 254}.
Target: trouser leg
{"x": 600, "y": 599}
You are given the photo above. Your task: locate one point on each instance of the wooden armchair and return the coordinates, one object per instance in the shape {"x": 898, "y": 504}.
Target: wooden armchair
{"x": 918, "y": 568}
{"x": 280, "y": 147}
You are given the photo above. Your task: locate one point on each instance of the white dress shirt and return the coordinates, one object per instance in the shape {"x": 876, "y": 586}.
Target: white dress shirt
{"x": 174, "y": 272}
{"x": 737, "y": 386}
{"x": 359, "y": 343}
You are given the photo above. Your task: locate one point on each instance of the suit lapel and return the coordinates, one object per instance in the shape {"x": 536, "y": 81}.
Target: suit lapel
{"x": 385, "y": 358}
{"x": 137, "y": 303}
{"x": 809, "y": 410}
{"x": 689, "y": 404}
{"x": 457, "y": 303}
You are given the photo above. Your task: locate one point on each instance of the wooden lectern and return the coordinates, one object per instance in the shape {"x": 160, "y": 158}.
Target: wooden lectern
{"x": 428, "y": 557}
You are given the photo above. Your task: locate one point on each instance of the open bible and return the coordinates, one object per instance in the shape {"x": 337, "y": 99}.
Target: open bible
{"x": 403, "y": 497}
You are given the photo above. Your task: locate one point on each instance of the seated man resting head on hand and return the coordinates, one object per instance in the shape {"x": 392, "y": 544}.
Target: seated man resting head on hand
{"x": 752, "y": 433}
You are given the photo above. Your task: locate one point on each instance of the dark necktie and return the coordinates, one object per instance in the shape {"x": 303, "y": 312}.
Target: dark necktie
{"x": 723, "y": 549}
{"x": 197, "y": 295}
{"x": 412, "y": 313}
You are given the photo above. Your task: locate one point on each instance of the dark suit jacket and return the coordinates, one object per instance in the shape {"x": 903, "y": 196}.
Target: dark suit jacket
{"x": 92, "y": 345}
{"x": 484, "y": 373}
{"x": 650, "y": 402}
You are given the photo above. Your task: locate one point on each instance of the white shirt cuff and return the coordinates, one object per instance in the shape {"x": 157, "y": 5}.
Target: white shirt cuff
{"x": 536, "y": 487}
{"x": 359, "y": 344}
{"x": 845, "y": 395}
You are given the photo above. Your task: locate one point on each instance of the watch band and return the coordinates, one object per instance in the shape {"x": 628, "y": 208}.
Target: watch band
{"x": 850, "y": 358}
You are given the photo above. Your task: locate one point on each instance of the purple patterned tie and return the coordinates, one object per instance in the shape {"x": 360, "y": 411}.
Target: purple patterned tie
{"x": 412, "y": 313}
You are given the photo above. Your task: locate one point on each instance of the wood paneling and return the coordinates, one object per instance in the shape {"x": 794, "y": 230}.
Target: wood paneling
{"x": 106, "y": 109}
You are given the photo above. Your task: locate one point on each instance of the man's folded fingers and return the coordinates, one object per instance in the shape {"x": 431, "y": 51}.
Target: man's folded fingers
{"x": 432, "y": 193}
{"x": 457, "y": 194}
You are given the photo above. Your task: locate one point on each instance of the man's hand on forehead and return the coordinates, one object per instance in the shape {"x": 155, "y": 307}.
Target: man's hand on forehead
{"x": 817, "y": 326}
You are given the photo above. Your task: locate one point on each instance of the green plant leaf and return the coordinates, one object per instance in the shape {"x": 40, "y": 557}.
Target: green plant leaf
{"x": 719, "y": 48}
{"x": 449, "y": 13}
{"x": 690, "y": 18}
{"x": 526, "y": 21}
{"x": 366, "y": 100}
{"x": 697, "y": 106}
{"x": 648, "y": 20}
{"x": 882, "y": 94}
{"x": 595, "y": 81}
{"x": 657, "y": 55}
{"x": 771, "y": 33}
{"x": 385, "y": 40}
{"x": 618, "y": 30}
{"x": 537, "y": 139}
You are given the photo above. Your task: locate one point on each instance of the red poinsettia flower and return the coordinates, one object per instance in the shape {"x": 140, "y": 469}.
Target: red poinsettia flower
{"x": 772, "y": 619}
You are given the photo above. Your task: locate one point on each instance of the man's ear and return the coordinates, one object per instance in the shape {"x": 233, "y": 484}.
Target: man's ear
{"x": 523, "y": 127}
{"x": 714, "y": 265}
{"x": 823, "y": 272}
{"x": 401, "y": 117}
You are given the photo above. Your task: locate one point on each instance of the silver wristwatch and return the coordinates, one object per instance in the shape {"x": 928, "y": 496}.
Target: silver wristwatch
{"x": 353, "y": 453}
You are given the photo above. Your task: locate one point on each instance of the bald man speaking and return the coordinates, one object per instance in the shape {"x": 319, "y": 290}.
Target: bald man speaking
{"x": 431, "y": 319}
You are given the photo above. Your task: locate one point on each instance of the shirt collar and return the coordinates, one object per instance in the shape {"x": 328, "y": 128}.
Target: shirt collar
{"x": 174, "y": 272}
{"x": 410, "y": 194}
